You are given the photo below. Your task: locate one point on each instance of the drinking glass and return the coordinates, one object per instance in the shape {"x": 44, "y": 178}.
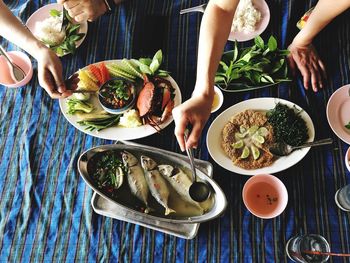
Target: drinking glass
{"x": 296, "y": 247}
{"x": 342, "y": 198}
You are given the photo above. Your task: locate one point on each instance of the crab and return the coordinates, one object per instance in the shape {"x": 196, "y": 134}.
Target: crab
{"x": 155, "y": 101}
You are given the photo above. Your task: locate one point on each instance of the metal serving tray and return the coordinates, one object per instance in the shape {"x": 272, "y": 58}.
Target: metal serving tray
{"x": 185, "y": 228}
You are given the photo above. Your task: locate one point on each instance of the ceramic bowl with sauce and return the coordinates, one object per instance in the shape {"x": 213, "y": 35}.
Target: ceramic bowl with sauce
{"x": 265, "y": 196}
{"x": 218, "y": 99}
{"x": 23, "y": 61}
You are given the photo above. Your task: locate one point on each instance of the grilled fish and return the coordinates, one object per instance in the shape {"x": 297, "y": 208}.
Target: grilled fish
{"x": 156, "y": 183}
{"x": 136, "y": 178}
{"x": 180, "y": 181}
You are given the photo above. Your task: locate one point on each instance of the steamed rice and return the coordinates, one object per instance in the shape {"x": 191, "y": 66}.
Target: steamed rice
{"x": 49, "y": 32}
{"x": 246, "y": 17}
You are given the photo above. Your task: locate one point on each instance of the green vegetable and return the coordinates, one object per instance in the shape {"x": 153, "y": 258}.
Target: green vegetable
{"x": 74, "y": 105}
{"x": 248, "y": 68}
{"x": 347, "y": 125}
{"x": 72, "y": 34}
{"x": 100, "y": 122}
{"x": 287, "y": 124}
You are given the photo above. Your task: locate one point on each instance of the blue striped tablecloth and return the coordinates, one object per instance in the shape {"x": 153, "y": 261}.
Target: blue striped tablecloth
{"x": 45, "y": 212}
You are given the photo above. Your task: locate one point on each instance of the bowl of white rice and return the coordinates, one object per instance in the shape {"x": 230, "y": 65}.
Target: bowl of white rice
{"x": 250, "y": 20}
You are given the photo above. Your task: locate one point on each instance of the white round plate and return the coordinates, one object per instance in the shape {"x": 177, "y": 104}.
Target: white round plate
{"x": 117, "y": 132}
{"x": 214, "y": 136}
{"x": 44, "y": 12}
{"x": 338, "y": 112}
{"x": 262, "y": 6}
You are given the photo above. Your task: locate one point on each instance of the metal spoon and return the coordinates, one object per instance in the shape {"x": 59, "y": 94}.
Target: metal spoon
{"x": 282, "y": 149}
{"x": 199, "y": 8}
{"x": 16, "y": 72}
{"x": 198, "y": 191}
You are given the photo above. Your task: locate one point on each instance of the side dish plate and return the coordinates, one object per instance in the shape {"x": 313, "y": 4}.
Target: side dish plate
{"x": 219, "y": 199}
{"x": 214, "y": 136}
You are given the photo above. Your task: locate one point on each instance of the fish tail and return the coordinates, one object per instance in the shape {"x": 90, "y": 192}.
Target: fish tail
{"x": 169, "y": 210}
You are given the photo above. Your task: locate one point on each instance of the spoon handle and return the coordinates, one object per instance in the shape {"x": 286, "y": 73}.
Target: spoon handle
{"x": 198, "y": 8}
{"x": 315, "y": 143}
{"x": 190, "y": 155}
{"x": 2, "y": 50}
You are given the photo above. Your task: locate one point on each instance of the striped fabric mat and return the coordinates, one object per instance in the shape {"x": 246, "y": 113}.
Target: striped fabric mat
{"x": 45, "y": 211}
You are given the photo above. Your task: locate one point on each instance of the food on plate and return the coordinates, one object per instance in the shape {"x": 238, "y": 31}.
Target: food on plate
{"x": 141, "y": 81}
{"x": 166, "y": 183}
{"x": 136, "y": 178}
{"x": 180, "y": 181}
{"x": 251, "y": 67}
{"x": 288, "y": 125}
{"x": 61, "y": 41}
{"x": 246, "y": 139}
{"x": 130, "y": 119}
{"x": 117, "y": 94}
{"x": 246, "y": 17}
{"x": 156, "y": 183}
{"x": 302, "y": 22}
{"x": 74, "y": 105}
{"x": 347, "y": 125}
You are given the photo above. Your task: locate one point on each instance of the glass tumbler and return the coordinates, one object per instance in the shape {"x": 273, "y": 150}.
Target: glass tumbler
{"x": 297, "y": 245}
{"x": 342, "y": 198}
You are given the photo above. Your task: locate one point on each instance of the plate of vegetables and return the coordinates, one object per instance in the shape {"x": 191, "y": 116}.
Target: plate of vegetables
{"x": 338, "y": 113}
{"x": 45, "y": 24}
{"x": 285, "y": 117}
{"x": 259, "y": 66}
{"x": 156, "y": 94}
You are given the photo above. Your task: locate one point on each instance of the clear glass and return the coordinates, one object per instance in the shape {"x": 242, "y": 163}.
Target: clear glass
{"x": 342, "y": 198}
{"x": 296, "y": 245}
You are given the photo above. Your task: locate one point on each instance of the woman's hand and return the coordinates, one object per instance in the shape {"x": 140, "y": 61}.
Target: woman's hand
{"x": 82, "y": 10}
{"x": 311, "y": 67}
{"x": 50, "y": 74}
{"x": 196, "y": 112}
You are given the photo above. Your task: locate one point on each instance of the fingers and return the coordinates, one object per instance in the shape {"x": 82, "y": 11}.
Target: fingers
{"x": 314, "y": 79}
{"x": 292, "y": 64}
{"x": 323, "y": 69}
{"x": 57, "y": 78}
{"x": 70, "y": 4}
{"x": 82, "y": 17}
{"x": 180, "y": 126}
{"x": 47, "y": 83}
{"x": 75, "y": 11}
{"x": 192, "y": 141}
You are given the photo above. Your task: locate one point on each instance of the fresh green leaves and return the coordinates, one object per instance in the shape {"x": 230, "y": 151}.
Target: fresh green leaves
{"x": 252, "y": 67}
{"x": 347, "y": 125}
{"x": 68, "y": 45}
{"x": 74, "y": 105}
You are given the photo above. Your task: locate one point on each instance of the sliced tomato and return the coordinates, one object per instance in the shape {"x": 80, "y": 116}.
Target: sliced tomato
{"x": 97, "y": 73}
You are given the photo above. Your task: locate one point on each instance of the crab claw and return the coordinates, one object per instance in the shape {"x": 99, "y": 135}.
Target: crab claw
{"x": 167, "y": 111}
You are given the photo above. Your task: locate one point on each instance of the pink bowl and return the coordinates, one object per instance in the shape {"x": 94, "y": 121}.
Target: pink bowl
{"x": 23, "y": 61}
{"x": 265, "y": 196}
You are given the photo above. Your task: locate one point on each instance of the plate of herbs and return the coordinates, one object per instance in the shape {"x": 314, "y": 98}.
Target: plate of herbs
{"x": 45, "y": 24}
{"x": 259, "y": 66}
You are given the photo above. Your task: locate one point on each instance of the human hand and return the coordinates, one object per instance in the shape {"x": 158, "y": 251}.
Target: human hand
{"x": 196, "y": 112}
{"x": 82, "y": 10}
{"x": 50, "y": 74}
{"x": 311, "y": 67}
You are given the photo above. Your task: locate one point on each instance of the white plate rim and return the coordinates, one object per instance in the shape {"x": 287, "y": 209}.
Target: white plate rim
{"x": 340, "y": 133}
{"x": 217, "y": 153}
{"x": 31, "y": 25}
{"x": 128, "y": 133}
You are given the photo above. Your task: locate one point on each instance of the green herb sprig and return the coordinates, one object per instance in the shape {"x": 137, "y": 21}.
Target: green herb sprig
{"x": 254, "y": 66}
{"x": 72, "y": 34}
{"x": 347, "y": 125}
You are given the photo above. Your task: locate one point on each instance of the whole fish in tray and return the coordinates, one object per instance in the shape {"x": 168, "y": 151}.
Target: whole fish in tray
{"x": 136, "y": 178}
{"x": 156, "y": 183}
{"x": 180, "y": 181}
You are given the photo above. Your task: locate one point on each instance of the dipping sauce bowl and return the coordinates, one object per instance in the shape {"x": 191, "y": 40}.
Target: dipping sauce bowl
{"x": 23, "y": 61}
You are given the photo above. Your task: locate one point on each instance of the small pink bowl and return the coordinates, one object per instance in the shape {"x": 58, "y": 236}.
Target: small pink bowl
{"x": 23, "y": 61}
{"x": 347, "y": 159}
{"x": 265, "y": 196}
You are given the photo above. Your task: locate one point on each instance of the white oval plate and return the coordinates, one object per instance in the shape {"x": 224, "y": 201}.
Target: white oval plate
{"x": 262, "y": 6}
{"x": 117, "y": 132}
{"x": 214, "y": 137}
{"x": 338, "y": 112}
{"x": 44, "y": 12}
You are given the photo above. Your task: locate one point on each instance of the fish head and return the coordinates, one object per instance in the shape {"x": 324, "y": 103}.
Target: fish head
{"x": 148, "y": 163}
{"x": 166, "y": 169}
{"x": 129, "y": 159}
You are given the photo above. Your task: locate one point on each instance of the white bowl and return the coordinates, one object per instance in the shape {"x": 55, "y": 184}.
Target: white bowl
{"x": 218, "y": 99}
{"x": 347, "y": 159}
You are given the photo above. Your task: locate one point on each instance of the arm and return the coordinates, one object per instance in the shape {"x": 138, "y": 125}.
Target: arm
{"x": 49, "y": 66}
{"x": 215, "y": 28}
{"x": 303, "y": 55}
